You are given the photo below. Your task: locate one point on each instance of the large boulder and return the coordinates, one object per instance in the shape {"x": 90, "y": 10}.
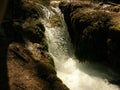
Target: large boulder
{"x": 94, "y": 31}
{"x": 25, "y": 61}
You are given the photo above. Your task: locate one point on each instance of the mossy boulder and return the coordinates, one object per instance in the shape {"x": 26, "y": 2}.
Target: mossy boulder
{"x": 25, "y": 61}
{"x": 91, "y": 33}
{"x": 94, "y": 31}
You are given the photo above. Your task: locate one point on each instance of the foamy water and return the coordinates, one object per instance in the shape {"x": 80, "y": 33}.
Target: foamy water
{"x": 77, "y": 76}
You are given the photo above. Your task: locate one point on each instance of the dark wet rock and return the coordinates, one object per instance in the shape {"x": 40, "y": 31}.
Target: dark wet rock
{"x": 94, "y": 31}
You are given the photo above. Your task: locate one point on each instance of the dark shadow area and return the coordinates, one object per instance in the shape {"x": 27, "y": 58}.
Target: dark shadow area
{"x": 7, "y": 36}
{"x": 4, "y": 81}
{"x": 4, "y": 43}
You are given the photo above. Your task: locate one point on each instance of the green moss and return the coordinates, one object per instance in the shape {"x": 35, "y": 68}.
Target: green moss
{"x": 45, "y": 45}
{"x": 90, "y": 33}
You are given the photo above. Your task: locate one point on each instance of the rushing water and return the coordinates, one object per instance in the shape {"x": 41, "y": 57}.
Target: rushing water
{"x": 77, "y": 76}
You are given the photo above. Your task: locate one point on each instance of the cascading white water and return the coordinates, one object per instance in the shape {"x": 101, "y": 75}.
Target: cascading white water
{"x": 77, "y": 76}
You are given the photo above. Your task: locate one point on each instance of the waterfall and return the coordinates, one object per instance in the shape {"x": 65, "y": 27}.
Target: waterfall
{"x": 77, "y": 76}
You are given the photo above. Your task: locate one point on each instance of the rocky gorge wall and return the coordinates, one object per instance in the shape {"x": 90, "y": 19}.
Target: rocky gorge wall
{"x": 94, "y": 30}
{"x": 25, "y": 61}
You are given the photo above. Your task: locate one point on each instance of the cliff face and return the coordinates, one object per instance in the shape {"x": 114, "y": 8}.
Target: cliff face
{"x": 95, "y": 32}
{"x": 25, "y": 61}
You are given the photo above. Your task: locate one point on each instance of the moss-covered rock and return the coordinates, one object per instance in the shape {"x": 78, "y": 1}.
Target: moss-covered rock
{"x": 94, "y": 31}
{"x": 26, "y": 60}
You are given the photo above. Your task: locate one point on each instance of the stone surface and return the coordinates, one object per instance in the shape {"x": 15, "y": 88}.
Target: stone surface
{"x": 25, "y": 61}
{"x": 94, "y": 30}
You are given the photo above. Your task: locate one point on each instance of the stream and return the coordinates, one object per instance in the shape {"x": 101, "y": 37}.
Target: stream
{"x": 76, "y": 75}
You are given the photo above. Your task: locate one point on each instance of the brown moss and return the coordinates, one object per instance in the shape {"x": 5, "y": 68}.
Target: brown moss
{"x": 29, "y": 64}
{"x": 95, "y": 33}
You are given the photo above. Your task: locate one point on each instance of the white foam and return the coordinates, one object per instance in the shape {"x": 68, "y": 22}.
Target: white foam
{"x": 75, "y": 75}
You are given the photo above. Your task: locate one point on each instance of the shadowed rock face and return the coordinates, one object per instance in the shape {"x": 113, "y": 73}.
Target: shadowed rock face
{"x": 94, "y": 31}
{"x": 26, "y": 61}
